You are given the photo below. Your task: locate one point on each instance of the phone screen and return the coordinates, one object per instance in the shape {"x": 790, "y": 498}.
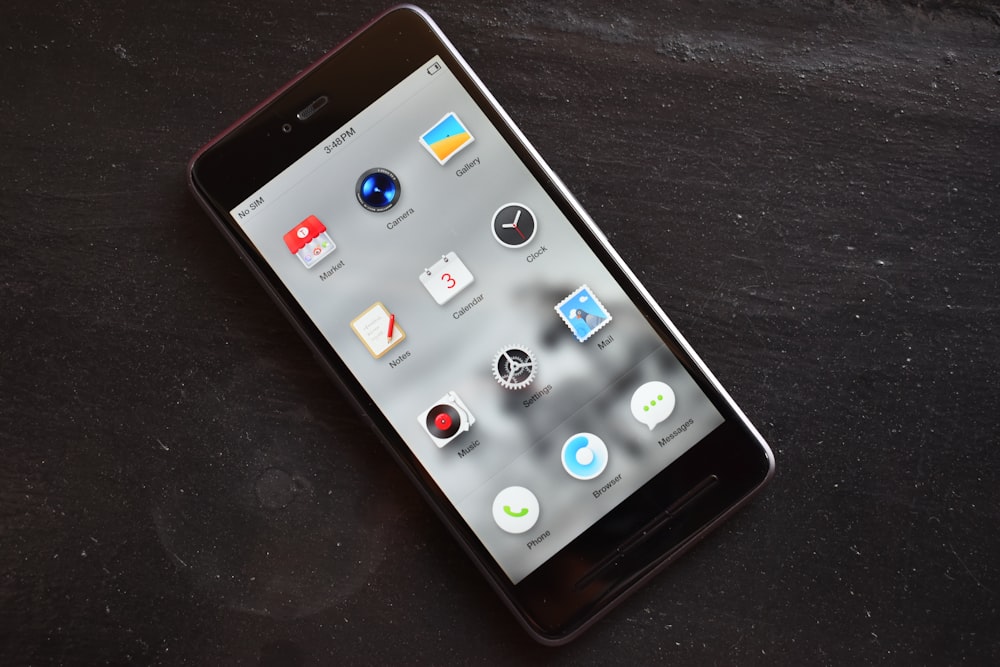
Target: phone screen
{"x": 499, "y": 346}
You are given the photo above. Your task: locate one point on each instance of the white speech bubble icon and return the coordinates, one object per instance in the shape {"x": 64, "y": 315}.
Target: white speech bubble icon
{"x": 652, "y": 403}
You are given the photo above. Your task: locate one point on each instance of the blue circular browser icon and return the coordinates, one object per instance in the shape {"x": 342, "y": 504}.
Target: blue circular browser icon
{"x": 584, "y": 456}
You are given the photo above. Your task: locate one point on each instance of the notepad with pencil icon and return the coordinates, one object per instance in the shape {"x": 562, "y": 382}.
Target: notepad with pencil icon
{"x": 378, "y": 329}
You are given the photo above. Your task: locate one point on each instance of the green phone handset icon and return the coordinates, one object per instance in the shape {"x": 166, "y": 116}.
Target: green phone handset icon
{"x": 515, "y": 510}
{"x": 510, "y": 512}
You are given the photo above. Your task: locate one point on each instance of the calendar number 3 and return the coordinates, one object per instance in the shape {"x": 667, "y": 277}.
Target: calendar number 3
{"x": 446, "y": 277}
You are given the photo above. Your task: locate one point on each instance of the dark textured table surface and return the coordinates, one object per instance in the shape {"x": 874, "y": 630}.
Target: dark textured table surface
{"x": 810, "y": 188}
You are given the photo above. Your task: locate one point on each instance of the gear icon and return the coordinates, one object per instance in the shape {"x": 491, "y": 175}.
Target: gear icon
{"x": 514, "y": 367}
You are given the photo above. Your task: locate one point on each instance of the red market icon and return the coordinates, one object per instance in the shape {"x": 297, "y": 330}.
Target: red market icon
{"x": 309, "y": 241}
{"x": 303, "y": 233}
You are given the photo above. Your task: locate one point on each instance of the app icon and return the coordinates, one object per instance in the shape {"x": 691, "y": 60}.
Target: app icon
{"x": 309, "y": 241}
{"x": 652, "y": 403}
{"x": 515, "y": 509}
{"x": 514, "y": 225}
{"x": 378, "y": 329}
{"x": 446, "y": 138}
{"x": 378, "y": 189}
{"x": 584, "y": 456}
{"x": 446, "y": 277}
{"x": 514, "y": 367}
{"x": 446, "y": 419}
{"x": 583, "y": 313}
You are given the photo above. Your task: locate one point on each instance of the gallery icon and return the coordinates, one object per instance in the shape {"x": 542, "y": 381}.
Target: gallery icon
{"x": 446, "y": 138}
{"x": 515, "y": 509}
{"x": 378, "y": 189}
{"x": 584, "y": 456}
{"x": 447, "y": 419}
{"x": 514, "y": 225}
{"x": 446, "y": 277}
{"x": 378, "y": 329}
{"x": 309, "y": 241}
{"x": 583, "y": 313}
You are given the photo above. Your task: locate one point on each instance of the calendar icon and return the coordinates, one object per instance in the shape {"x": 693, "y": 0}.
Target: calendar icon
{"x": 446, "y": 277}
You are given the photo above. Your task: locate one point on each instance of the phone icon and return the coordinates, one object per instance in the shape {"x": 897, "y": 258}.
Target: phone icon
{"x": 515, "y": 509}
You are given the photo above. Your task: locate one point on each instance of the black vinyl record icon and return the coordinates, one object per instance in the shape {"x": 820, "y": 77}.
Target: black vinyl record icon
{"x": 443, "y": 421}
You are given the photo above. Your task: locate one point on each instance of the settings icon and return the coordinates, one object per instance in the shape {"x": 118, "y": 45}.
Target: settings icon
{"x": 514, "y": 367}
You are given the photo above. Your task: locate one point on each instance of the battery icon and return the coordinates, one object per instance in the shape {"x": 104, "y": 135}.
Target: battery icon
{"x": 434, "y": 68}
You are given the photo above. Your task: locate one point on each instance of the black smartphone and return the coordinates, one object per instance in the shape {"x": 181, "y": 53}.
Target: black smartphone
{"x": 552, "y": 415}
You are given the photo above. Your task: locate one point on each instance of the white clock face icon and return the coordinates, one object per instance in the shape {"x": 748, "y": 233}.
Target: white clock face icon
{"x": 514, "y": 225}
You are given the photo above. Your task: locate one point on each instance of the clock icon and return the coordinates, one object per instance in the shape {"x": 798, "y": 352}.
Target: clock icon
{"x": 514, "y": 225}
{"x": 514, "y": 367}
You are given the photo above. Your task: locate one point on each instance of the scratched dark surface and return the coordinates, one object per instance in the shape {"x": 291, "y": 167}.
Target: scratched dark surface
{"x": 809, "y": 188}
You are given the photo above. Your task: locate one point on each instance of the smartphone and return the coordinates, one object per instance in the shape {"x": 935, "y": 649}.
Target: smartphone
{"x": 462, "y": 299}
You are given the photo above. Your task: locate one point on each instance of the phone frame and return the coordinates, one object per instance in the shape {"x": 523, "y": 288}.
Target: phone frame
{"x": 652, "y": 527}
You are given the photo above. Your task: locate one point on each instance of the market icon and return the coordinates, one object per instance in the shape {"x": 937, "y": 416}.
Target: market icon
{"x": 309, "y": 241}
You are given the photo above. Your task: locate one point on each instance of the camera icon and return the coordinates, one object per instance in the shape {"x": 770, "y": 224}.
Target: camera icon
{"x": 446, "y": 419}
{"x": 378, "y": 189}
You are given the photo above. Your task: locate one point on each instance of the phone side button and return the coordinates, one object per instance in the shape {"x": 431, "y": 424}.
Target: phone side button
{"x": 600, "y": 234}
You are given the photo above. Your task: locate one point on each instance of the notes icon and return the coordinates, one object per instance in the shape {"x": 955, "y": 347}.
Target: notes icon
{"x": 378, "y": 329}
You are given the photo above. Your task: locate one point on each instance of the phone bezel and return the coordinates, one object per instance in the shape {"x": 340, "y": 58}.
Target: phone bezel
{"x": 553, "y": 608}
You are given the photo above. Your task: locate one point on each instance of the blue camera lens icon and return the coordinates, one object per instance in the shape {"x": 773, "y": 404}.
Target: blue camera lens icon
{"x": 584, "y": 456}
{"x": 378, "y": 190}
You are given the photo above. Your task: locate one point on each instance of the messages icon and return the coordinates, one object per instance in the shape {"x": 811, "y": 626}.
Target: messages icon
{"x": 652, "y": 403}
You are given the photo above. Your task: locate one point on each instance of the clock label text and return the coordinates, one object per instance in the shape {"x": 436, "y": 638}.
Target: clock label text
{"x": 535, "y": 255}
